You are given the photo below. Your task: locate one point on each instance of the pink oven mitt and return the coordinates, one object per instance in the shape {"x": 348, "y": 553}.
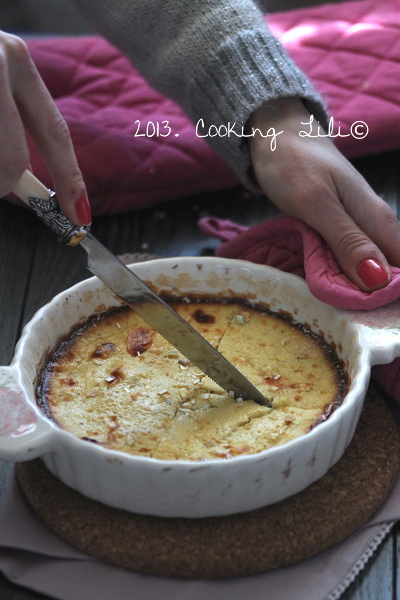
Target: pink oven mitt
{"x": 292, "y": 246}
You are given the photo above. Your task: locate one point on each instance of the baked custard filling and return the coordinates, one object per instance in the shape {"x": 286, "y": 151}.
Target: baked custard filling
{"x": 117, "y": 382}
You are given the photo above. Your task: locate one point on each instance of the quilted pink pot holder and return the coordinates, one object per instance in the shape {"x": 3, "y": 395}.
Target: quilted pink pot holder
{"x": 292, "y": 246}
{"x": 350, "y": 50}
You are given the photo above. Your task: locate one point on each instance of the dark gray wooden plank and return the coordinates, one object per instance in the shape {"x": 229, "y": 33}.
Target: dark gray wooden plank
{"x": 55, "y": 267}
{"x": 382, "y": 173}
{"x": 10, "y": 591}
{"x": 17, "y": 242}
{"x": 376, "y": 581}
{"x": 396, "y": 562}
{"x": 170, "y": 229}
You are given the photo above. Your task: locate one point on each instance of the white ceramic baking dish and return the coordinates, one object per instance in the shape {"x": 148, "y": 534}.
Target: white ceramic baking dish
{"x": 186, "y": 488}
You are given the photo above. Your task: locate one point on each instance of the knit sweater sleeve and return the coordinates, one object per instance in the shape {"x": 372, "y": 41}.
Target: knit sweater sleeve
{"x": 216, "y": 58}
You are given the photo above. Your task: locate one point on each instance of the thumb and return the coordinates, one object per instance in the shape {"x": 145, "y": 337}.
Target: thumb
{"x": 359, "y": 258}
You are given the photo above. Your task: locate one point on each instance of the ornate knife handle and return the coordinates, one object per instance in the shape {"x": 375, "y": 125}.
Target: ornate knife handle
{"x": 50, "y": 212}
{"x": 44, "y": 203}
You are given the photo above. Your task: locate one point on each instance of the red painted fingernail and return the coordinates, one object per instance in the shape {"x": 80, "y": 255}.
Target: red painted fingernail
{"x": 82, "y": 209}
{"x": 372, "y": 273}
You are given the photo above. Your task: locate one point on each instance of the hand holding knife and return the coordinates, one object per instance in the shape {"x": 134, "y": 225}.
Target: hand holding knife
{"x": 134, "y": 292}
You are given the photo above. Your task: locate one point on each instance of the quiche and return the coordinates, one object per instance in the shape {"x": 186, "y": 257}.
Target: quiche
{"x": 117, "y": 382}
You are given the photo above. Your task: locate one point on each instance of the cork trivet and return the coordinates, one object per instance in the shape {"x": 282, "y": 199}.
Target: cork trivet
{"x": 274, "y": 536}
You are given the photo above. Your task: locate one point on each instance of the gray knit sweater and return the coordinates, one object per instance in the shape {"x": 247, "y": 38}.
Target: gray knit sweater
{"x": 216, "y": 58}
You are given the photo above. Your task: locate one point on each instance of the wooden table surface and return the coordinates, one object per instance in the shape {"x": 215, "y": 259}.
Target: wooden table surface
{"x": 34, "y": 267}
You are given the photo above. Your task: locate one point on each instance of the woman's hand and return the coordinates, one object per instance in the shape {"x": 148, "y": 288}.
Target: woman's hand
{"x": 25, "y": 104}
{"x": 309, "y": 179}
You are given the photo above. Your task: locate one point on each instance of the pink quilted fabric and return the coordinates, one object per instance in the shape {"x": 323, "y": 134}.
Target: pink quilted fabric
{"x": 291, "y": 246}
{"x": 351, "y": 51}
{"x": 108, "y": 107}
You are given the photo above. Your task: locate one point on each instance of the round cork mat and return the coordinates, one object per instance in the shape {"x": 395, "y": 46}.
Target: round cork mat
{"x": 274, "y": 536}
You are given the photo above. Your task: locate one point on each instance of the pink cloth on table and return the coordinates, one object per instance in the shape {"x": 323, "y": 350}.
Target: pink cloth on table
{"x": 350, "y": 50}
{"x": 292, "y": 246}
{"x": 33, "y": 556}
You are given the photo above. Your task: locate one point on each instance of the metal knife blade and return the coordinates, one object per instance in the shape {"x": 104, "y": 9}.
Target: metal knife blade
{"x": 134, "y": 292}
{"x": 157, "y": 313}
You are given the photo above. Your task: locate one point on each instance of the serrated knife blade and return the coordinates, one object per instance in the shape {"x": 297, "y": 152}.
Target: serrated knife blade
{"x": 138, "y": 295}
{"x": 159, "y": 315}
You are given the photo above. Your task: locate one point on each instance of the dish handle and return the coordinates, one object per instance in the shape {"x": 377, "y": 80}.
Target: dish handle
{"x": 383, "y": 344}
{"x": 23, "y": 434}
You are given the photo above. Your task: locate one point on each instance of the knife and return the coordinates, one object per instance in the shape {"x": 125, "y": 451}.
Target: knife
{"x": 134, "y": 292}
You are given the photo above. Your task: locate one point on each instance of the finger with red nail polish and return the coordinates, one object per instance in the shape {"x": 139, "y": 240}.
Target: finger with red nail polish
{"x": 82, "y": 209}
{"x": 372, "y": 273}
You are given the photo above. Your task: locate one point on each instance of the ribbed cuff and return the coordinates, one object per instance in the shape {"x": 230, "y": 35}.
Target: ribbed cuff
{"x": 249, "y": 70}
